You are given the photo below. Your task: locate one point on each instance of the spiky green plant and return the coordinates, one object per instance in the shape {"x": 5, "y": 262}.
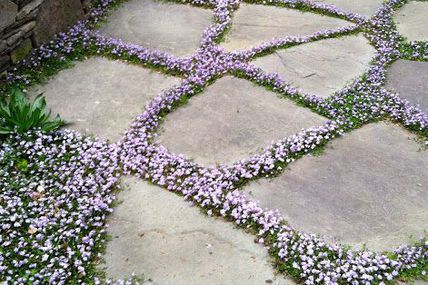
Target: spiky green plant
{"x": 18, "y": 114}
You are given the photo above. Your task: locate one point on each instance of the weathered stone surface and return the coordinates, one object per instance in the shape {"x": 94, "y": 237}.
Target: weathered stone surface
{"x": 21, "y": 51}
{"x": 363, "y": 7}
{"x": 410, "y": 80}
{"x": 102, "y": 96}
{"x": 21, "y": 3}
{"x": 4, "y": 62}
{"x": 28, "y": 27}
{"x": 3, "y": 46}
{"x": 55, "y": 16}
{"x": 8, "y": 11}
{"x": 321, "y": 67}
{"x": 29, "y": 9}
{"x": 177, "y": 244}
{"x": 254, "y": 24}
{"x": 412, "y": 21}
{"x": 14, "y": 39}
{"x": 369, "y": 187}
{"x": 23, "y": 32}
{"x": 169, "y": 27}
{"x": 230, "y": 120}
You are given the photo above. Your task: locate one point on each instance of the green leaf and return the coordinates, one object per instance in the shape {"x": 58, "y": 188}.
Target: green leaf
{"x": 38, "y": 103}
{"x": 4, "y": 111}
{"x": 5, "y": 131}
{"x": 23, "y": 115}
{"x": 50, "y": 126}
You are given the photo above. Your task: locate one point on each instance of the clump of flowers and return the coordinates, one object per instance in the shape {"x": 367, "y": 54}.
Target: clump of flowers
{"x": 56, "y": 190}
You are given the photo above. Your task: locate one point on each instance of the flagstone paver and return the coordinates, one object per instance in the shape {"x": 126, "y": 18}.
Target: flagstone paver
{"x": 410, "y": 80}
{"x": 412, "y": 21}
{"x": 254, "y": 24}
{"x": 368, "y": 187}
{"x": 230, "y": 120}
{"x": 169, "y": 27}
{"x": 100, "y": 96}
{"x": 321, "y": 67}
{"x": 157, "y": 234}
{"x": 362, "y": 7}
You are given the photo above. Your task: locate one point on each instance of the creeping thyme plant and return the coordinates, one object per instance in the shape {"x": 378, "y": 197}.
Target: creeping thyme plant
{"x": 57, "y": 187}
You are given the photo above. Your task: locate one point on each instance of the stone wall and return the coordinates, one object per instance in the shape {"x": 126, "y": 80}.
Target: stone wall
{"x": 26, "y": 24}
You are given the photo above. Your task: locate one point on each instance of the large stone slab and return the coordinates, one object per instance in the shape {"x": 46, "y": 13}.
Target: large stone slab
{"x": 321, "y": 67}
{"x": 254, "y": 24}
{"x": 230, "y": 120}
{"x": 102, "y": 97}
{"x": 369, "y": 187}
{"x": 55, "y": 16}
{"x": 412, "y": 22}
{"x": 179, "y": 245}
{"x": 410, "y": 80}
{"x": 8, "y": 11}
{"x": 170, "y": 27}
{"x": 365, "y": 8}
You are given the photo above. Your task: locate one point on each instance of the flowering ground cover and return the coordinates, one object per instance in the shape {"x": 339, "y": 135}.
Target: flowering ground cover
{"x": 57, "y": 188}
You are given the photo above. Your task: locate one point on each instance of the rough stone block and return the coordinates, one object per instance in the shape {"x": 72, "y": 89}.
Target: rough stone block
{"x": 3, "y": 46}
{"x": 21, "y": 51}
{"x": 29, "y": 9}
{"x": 4, "y": 62}
{"x": 8, "y": 11}
{"x": 55, "y": 16}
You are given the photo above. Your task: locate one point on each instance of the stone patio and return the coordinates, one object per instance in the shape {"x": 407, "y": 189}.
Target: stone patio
{"x": 254, "y": 24}
{"x": 230, "y": 120}
{"x": 179, "y": 245}
{"x": 102, "y": 97}
{"x": 410, "y": 80}
{"x": 367, "y": 188}
{"x": 322, "y": 67}
{"x": 152, "y": 24}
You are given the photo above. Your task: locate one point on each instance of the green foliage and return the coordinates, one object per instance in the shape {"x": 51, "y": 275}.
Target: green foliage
{"x": 22, "y": 165}
{"x": 19, "y": 115}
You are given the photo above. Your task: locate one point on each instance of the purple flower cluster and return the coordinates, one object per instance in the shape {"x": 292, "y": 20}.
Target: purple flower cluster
{"x": 56, "y": 192}
{"x": 415, "y": 51}
{"x": 52, "y": 233}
